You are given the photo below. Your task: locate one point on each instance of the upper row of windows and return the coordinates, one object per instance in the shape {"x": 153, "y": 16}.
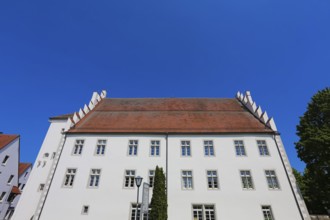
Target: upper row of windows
{"x": 185, "y": 147}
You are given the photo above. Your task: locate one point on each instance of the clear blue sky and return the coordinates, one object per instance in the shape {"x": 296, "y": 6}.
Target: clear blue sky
{"x": 54, "y": 54}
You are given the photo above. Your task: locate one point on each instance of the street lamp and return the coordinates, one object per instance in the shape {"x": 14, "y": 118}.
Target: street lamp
{"x": 138, "y": 181}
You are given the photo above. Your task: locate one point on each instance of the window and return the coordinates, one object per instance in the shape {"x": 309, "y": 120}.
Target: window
{"x": 272, "y": 179}
{"x": 203, "y": 212}
{"x": 22, "y": 187}
{"x": 246, "y": 179}
{"x": 212, "y": 179}
{"x": 2, "y": 196}
{"x": 154, "y": 148}
{"x": 9, "y": 213}
{"x": 267, "y": 212}
{"x": 53, "y": 155}
{"x": 10, "y": 179}
{"x": 100, "y": 147}
{"x": 129, "y": 178}
{"x": 85, "y": 210}
{"x": 239, "y": 147}
{"x": 26, "y": 173}
{"x": 263, "y": 150}
{"x": 5, "y": 160}
{"x": 185, "y": 148}
{"x": 187, "y": 181}
{"x": 132, "y": 147}
{"x": 41, "y": 187}
{"x": 94, "y": 178}
{"x": 138, "y": 217}
{"x": 69, "y": 177}
{"x": 151, "y": 178}
{"x": 46, "y": 155}
{"x": 208, "y": 148}
{"x": 77, "y": 150}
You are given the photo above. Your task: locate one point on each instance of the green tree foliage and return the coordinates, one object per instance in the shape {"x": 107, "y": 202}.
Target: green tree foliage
{"x": 159, "y": 200}
{"x": 314, "y": 149}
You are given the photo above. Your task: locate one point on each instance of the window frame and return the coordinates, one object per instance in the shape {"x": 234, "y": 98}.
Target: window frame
{"x": 128, "y": 187}
{"x": 64, "y": 179}
{"x": 95, "y": 180}
{"x": 208, "y": 149}
{"x": 137, "y": 148}
{"x": 133, "y": 209}
{"x": 245, "y": 152}
{"x": 266, "y": 145}
{"x": 153, "y": 178}
{"x": 3, "y": 196}
{"x": 182, "y": 180}
{"x": 83, "y": 212}
{"x": 252, "y": 181}
{"x": 270, "y": 210}
{"x": 10, "y": 179}
{"x": 203, "y": 210}
{"x": 155, "y": 152}
{"x": 5, "y": 160}
{"x": 181, "y": 148}
{"x": 217, "y": 178}
{"x": 275, "y": 174}
{"x": 79, "y": 153}
{"x": 98, "y": 144}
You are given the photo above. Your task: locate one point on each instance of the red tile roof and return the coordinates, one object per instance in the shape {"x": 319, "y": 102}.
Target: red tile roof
{"x": 170, "y": 115}
{"x": 15, "y": 190}
{"x": 6, "y": 139}
{"x": 23, "y": 167}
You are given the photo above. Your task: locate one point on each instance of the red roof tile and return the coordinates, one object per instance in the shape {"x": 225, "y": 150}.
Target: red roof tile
{"x": 6, "y": 139}
{"x": 170, "y": 115}
{"x": 23, "y": 167}
{"x": 15, "y": 190}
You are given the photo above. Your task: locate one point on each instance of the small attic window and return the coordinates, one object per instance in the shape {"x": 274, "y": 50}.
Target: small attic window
{"x": 46, "y": 155}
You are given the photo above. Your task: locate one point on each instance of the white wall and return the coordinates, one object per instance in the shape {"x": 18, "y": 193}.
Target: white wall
{"x": 29, "y": 199}
{"x": 112, "y": 201}
{"x": 10, "y": 168}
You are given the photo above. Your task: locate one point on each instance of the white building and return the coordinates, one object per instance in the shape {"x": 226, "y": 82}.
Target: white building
{"x": 223, "y": 158}
{"x": 13, "y": 175}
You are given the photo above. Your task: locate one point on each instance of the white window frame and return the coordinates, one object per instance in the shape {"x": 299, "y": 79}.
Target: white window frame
{"x": 100, "y": 147}
{"x": 151, "y": 178}
{"x": 203, "y": 212}
{"x": 272, "y": 180}
{"x": 94, "y": 178}
{"x": 10, "y": 180}
{"x": 185, "y": 148}
{"x": 240, "y": 150}
{"x": 154, "y": 148}
{"x": 263, "y": 148}
{"x": 78, "y": 147}
{"x": 187, "y": 182}
{"x": 71, "y": 176}
{"x": 41, "y": 187}
{"x": 213, "y": 174}
{"x": 85, "y": 210}
{"x": 208, "y": 145}
{"x": 246, "y": 177}
{"x": 133, "y": 147}
{"x": 267, "y": 212}
{"x": 133, "y": 210}
{"x": 131, "y": 179}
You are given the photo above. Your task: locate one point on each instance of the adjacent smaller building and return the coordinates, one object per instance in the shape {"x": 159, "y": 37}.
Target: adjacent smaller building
{"x": 13, "y": 175}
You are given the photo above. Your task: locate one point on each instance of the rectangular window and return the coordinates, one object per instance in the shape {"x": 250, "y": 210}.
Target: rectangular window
{"x": 100, "y": 147}
{"x": 78, "y": 147}
{"x": 187, "y": 181}
{"x": 272, "y": 179}
{"x": 239, "y": 147}
{"x": 185, "y": 148}
{"x": 10, "y": 179}
{"x": 2, "y": 196}
{"x": 94, "y": 178}
{"x": 263, "y": 149}
{"x": 151, "y": 178}
{"x": 155, "y": 148}
{"x": 4, "y": 161}
{"x": 138, "y": 216}
{"x": 246, "y": 179}
{"x": 212, "y": 179}
{"x": 208, "y": 148}
{"x": 267, "y": 212}
{"x": 203, "y": 212}
{"x": 9, "y": 213}
{"x": 41, "y": 187}
{"x": 85, "y": 210}
{"x": 129, "y": 178}
{"x": 133, "y": 147}
{"x": 69, "y": 177}
{"x": 22, "y": 187}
